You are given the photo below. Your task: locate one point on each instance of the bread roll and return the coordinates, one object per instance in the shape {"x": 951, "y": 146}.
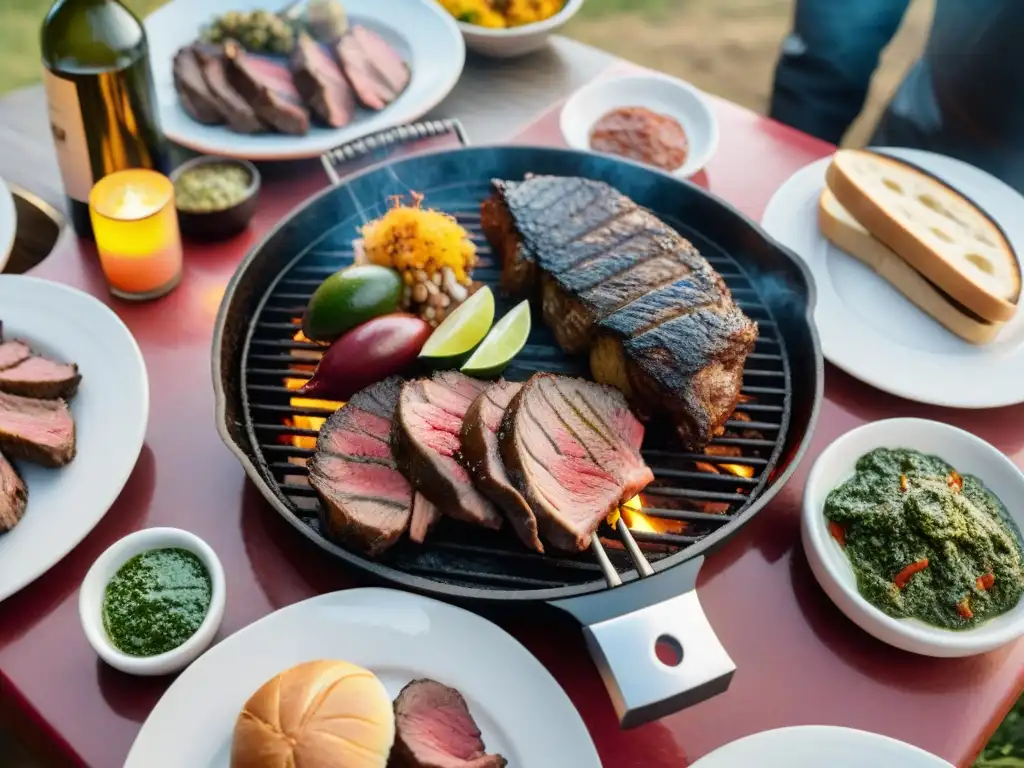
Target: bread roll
{"x": 321, "y": 714}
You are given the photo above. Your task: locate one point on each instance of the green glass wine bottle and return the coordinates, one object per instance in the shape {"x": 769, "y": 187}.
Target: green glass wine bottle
{"x": 99, "y": 90}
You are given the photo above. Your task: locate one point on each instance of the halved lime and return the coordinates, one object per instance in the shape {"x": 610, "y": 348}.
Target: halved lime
{"x": 461, "y": 331}
{"x": 506, "y": 340}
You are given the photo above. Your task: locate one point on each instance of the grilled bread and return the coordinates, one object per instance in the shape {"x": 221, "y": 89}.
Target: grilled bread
{"x": 847, "y": 234}
{"x": 937, "y": 231}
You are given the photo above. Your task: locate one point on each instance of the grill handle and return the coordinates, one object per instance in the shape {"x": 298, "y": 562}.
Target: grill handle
{"x": 391, "y": 142}
{"x": 623, "y": 625}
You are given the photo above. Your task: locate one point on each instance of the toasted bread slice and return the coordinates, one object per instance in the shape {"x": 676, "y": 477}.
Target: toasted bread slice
{"x": 934, "y": 229}
{"x": 846, "y": 233}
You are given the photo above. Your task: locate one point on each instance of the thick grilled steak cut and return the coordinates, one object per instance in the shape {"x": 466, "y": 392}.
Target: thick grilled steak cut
{"x": 572, "y": 448}
{"x": 659, "y": 322}
{"x": 13, "y": 495}
{"x": 40, "y": 431}
{"x": 266, "y": 86}
{"x": 373, "y": 68}
{"x": 482, "y": 457}
{"x": 426, "y": 440}
{"x": 239, "y": 114}
{"x": 366, "y": 502}
{"x": 39, "y": 377}
{"x": 193, "y": 92}
{"x": 12, "y": 353}
{"x": 323, "y": 87}
{"x": 434, "y": 729}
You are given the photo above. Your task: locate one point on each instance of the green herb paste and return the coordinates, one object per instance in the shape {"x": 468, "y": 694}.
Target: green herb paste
{"x": 156, "y": 601}
{"x": 903, "y": 507}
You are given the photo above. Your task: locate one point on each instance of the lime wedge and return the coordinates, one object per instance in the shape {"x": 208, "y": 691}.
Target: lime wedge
{"x": 506, "y": 340}
{"x": 461, "y": 331}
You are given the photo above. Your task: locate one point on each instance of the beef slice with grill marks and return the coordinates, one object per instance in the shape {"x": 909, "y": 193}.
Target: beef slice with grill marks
{"x": 366, "y": 501}
{"x": 39, "y": 377}
{"x": 323, "y": 86}
{"x": 239, "y": 114}
{"x": 13, "y": 495}
{"x": 482, "y": 457}
{"x": 268, "y": 88}
{"x": 572, "y": 448}
{"x": 426, "y": 437}
{"x": 40, "y": 431}
{"x": 12, "y": 353}
{"x": 373, "y": 68}
{"x": 194, "y": 94}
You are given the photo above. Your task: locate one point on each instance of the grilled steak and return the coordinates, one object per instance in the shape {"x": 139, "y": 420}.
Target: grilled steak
{"x": 268, "y": 88}
{"x": 13, "y": 495}
{"x": 193, "y": 92}
{"x": 424, "y": 517}
{"x": 366, "y": 502}
{"x": 658, "y": 321}
{"x": 373, "y": 68}
{"x": 481, "y": 456}
{"x": 572, "y": 448}
{"x": 323, "y": 87}
{"x": 39, "y": 377}
{"x": 434, "y": 729}
{"x": 12, "y": 353}
{"x": 41, "y": 431}
{"x": 425, "y": 438}
{"x": 239, "y": 114}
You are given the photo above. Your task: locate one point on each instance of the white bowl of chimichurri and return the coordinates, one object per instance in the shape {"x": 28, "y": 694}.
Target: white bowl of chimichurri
{"x": 152, "y": 603}
{"x": 913, "y": 528}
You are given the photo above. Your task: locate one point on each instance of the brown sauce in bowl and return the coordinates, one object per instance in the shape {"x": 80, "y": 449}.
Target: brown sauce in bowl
{"x": 640, "y": 134}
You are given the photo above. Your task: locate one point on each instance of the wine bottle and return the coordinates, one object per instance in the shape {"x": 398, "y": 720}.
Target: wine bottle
{"x": 100, "y": 95}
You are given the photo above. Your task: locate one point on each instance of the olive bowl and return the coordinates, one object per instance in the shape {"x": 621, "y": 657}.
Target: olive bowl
{"x": 93, "y": 592}
{"x": 222, "y": 223}
{"x": 968, "y": 455}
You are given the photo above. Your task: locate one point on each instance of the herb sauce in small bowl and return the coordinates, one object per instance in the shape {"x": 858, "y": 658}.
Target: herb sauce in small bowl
{"x": 216, "y": 197}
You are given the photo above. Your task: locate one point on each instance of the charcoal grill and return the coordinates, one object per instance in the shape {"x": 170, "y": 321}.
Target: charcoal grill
{"x": 636, "y": 586}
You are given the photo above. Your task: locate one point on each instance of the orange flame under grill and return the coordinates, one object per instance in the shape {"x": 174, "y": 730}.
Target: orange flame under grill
{"x": 302, "y": 421}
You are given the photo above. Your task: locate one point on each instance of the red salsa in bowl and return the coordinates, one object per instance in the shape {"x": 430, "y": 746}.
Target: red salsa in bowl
{"x": 641, "y": 134}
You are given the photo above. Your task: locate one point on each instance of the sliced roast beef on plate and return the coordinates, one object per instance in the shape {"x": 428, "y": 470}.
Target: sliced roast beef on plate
{"x": 13, "y": 495}
{"x": 323, "y": 87}
{"x": 366, "y": 501}
{"x": 12, "y": 353}
{"x": 435, "y": 729}
{"x": 195, "y": 95}
{"x": 40, "y": 431}
{"x": 572, "y": 449}
{"x": 37, "y": 376}
{"x": 266, "y": 86}
{"x": 239, "y": 114}
{"x": 426, "y": 440}
{"x": 373, "y": 68}
{"x": 481, "y": 456}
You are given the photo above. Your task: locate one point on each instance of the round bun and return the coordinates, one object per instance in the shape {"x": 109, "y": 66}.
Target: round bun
{"x": 321, "y": 714}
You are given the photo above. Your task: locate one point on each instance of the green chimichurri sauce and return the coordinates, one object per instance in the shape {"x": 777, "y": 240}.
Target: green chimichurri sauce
{"x": 156, "y": 601}
{"x": 925, "y": 542}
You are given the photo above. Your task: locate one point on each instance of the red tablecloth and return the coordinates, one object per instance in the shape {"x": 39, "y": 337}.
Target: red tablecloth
{"x": 799, "y": 660}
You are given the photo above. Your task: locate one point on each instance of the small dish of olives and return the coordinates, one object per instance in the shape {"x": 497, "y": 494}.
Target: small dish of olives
{"x": 215, "y": 196}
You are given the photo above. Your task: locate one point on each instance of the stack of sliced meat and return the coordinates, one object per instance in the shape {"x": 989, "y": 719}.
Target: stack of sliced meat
{"x": 35, "y": 422}
{"x": 553, "y": 456}
{"x": 225, "y": 85}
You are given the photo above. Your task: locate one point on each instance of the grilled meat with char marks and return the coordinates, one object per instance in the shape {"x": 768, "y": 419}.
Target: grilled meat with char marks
{"x": 13, "y": 495}
{"x": 40, "y": 431}
{"x": 39, "y": 377}
{"x": 12, "y": 353}
{"x": 659, "y": 322}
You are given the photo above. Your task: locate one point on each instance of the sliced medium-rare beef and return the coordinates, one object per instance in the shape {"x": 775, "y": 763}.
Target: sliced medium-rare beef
{"x": 39, "y": 377}
{"x": 12, "y": 353}
{"x": 659, "y": 322}
{"x": 41, "y": 431}
{"x": 426, "y": 440}
{"x": 572, "y": 448}
{"x": 323, "y": 87}
{"x": 13, "y": 495}
{"x": 374, "y": 69}
{"x": 482, "y": 457}
{"x": 434, "y": 729}
{"x": 366, "y": 502}
{"x": 193, "y": 92}
{"x": 268, "y": 88}
{"x": 239, "y": 114}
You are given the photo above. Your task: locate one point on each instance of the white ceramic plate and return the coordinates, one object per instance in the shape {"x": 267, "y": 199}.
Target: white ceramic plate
{"x": 819, "y": 746}
{"x": 8, "y": 224}
{"x": 659, "y": 93}
{"x": 420, "y": 30}
{"x": 520, "y": 709}
{"x": 969, "y": 455}
{"x": 871, "y": 331}
{"x": 111, "y": 411}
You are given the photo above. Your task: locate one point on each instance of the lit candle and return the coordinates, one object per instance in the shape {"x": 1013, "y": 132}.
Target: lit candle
{"x": 136, "y": 228}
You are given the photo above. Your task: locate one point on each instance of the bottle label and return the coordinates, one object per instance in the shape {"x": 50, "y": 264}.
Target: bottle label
{"x": 68, "y": 129}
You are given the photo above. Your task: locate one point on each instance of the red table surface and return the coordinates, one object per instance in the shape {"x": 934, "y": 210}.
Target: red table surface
{"x": 799, "y": 659}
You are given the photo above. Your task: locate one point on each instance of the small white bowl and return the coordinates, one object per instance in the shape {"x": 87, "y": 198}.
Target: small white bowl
{"x": 508, "y": 42}
{"x": 969, "y": 455}
{"x": 90, "y": 601}
{"x": 660, "y": 93}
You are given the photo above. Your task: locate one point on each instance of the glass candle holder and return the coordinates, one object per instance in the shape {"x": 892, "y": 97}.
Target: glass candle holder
{"x": 136, "y": 228}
